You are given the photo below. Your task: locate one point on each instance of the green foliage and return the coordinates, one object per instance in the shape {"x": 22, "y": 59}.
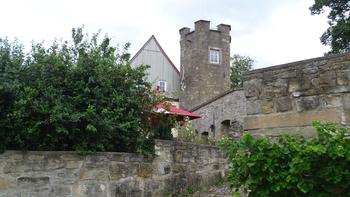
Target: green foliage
{"x": 163, "y": 128}
{"x": 291, "y": 165}
{"x": 80, "y": 95}
{"x": 338, "y": 34}
{"x": 185, "y": 132}
{"x": 240, "y": 65}
{"x": 189, "y": 191}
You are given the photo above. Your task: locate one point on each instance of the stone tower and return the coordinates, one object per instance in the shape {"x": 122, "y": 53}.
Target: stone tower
{"x": 205, "y": 63}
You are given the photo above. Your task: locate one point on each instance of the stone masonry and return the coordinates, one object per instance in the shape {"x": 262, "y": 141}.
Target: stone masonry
{"x": 283, "y": 99}
{"x": 176, "y": 168}
{"x": 200, "y": 79}
{"x": 223, "y": 115}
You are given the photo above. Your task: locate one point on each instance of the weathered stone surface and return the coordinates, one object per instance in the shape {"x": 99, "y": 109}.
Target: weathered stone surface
{"x": 280, "y": 120}
{"x": 343, "y": 78}
{"x": 120, "y": 170}
{"x": 307, "y": 103}
{"x": 229, "y": 108}
{"x": 252, "y": 88}
{"x": 331, "y": 101}
{"x": 328, "y": 79}
{"x": 32, "y": 181}
{"x": 267, "y": 106}
{"x": 4, "y": 184}
{"x": 346, "y": 105}
{"x": 307, "y": 131}
{"x": 283, "y": 104}
{"x": 144, "y": 170}
{"x": 110, "y": 174}
{"x": 253, "y": 107}
{"x": 293, "y": 85}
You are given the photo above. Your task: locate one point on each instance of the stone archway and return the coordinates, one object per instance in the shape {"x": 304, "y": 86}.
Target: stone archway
{"x": 233, "y": 129}
{"x": 225, "y": 127}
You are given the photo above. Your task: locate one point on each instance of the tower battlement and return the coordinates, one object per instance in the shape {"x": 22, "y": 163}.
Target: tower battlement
{"x": 204, "y": 26}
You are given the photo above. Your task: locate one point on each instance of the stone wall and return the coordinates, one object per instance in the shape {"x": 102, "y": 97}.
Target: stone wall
{"x": 177, "y": 167}
{"x": 222, "y": 116}
{"x": 288, "y": 97}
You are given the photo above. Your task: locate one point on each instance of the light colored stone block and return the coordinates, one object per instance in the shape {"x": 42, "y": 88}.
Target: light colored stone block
{"x": 280, "y": 120}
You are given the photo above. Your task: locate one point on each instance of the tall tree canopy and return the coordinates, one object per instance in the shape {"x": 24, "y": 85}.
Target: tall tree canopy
{"x": 75, "y": 95}
{"x": 338, "y": 33}
{"x": 239, "y": 65}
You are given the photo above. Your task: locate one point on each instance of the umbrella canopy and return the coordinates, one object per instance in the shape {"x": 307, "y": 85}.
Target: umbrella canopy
{"x": 172, "y": 110}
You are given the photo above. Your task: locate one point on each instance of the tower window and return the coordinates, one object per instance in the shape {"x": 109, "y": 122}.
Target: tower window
{"x": 214, "y": 55}
{"x": 162, "y": 86}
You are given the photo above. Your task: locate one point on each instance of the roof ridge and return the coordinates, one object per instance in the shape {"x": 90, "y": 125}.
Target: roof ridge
{"x": 161, "y": 50}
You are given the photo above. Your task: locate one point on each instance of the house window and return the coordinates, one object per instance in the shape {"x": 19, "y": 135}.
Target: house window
{"x": 214, "y": 56}
{"x": 162, "y": 86}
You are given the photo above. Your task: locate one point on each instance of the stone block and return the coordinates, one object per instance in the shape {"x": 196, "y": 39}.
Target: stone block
{"x": 73, "y": 164}
{"x": 267, "y": 106}
{"x": 306, "y": 131}
{"x": 328, "y": 79}
{"x": 61, "y": 190}
{"x": 293, "y": 85}
{"x": 120, "y": 170}
{"x": 268, "y": 77}
{"x": 27, "y": 182}
{"x": 280, "y": 120}
{"x": 315, "y": 82}
{"x": 283, "y": 104}
{"x": 71, "y": 157}
{"x": 4, "y": 184}
{"x": 343, "y": 78}
{"x": 253, "y": 107}
{"x": 307, "y": 103}
{"x": 144, "y": 170}
{"x": 268, "y": 91}
{"x": 252, "y": 88}
{"x": 331, "y": 101}
{"x": 346, "y": 106}
{"x": 179, "y": 168}
{"x": 91, "y": 188}
{"x": 21, "y": 166}
{"x": 128, "y": 189}
{"x": 36, "y": 157}
{"x": 310, "y": 69}
{"x": 93, "y": 174}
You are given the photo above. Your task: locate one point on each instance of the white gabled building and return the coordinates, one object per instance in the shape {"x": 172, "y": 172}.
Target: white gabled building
{"x": 162, "y": 72}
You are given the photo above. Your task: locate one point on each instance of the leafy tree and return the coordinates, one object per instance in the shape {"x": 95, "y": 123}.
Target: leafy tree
{"x": 240, "y": 65}
{"x": 75, "y": 95}
{"x": 338, "y": 33}
{"x": 291, "y": 165}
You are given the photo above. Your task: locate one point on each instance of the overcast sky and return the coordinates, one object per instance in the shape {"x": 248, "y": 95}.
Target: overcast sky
{"x": 270, "y": 31}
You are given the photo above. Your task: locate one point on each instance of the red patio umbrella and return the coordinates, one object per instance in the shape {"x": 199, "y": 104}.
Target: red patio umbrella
{"x": 172, "y": 110}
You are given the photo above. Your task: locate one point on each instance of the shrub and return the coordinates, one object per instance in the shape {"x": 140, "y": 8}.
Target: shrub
{"x": 291, "y": 165}
{"x": 82, "y": 96}
{"x": 185, "y": 131}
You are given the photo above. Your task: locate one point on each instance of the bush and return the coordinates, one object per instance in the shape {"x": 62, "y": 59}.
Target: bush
{"x": 291, "y": 165}
{"x": 82, "y": 96}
